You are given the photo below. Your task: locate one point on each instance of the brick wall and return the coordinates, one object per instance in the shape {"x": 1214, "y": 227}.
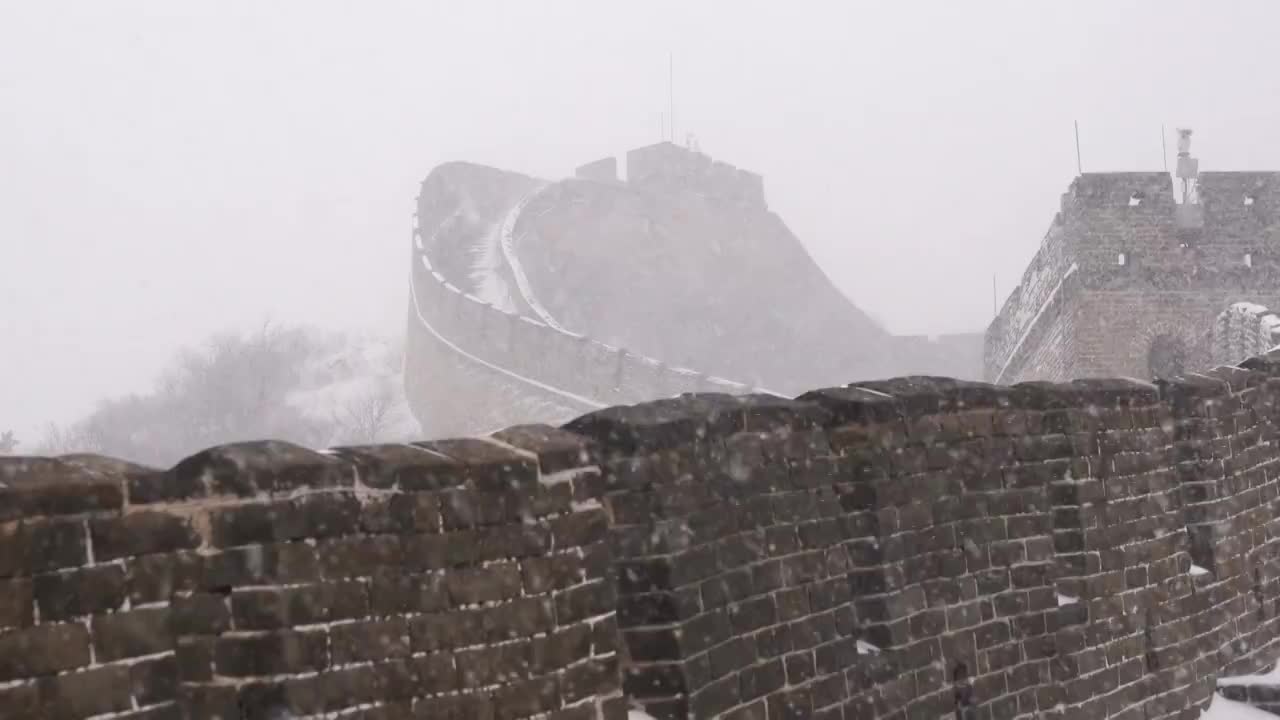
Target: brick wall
{"x": 1173, "y": 281}
{"x": 919, "y": 547}
{"x": 924, "y": 547}
{"x": 457, "y": 579}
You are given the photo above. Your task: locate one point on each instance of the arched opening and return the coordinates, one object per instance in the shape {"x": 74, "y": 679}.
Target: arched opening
{"x": 1167, "y": 356}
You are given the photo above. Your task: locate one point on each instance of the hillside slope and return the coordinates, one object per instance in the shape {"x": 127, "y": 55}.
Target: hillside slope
{"x": 560, "y": 297}
{"x": 695, "y": 281}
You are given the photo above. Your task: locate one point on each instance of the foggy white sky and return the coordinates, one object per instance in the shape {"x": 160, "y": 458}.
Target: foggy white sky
{"x": 173, "y": 168}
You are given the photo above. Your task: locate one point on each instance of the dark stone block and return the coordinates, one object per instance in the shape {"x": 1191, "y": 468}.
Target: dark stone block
{"x": 133, "y": 633}
{"x": 556, "y": 449}
{"x": 409, "y": 467}
{"x": 492, "y": 583}
{"x": 141, "y": 533}
{"x": 559, "y": 649}
{"x": 87, "y": 591}
{"x": 455, "y": 707}
{"x": 652, "y": 644}
{"x": 37, "y": 546}
{"x": 526, "y": 698}
{"x": 84, "y": 694}
{"x": 767, "y": 413}
{"x": 247, "y": 469}
{"x": 491, "y": 665}
{"x": 360, "y": 556}
{"x": 43, "y": 650}
{"x": 394, "y": 592}
{"x": 200, "y": 614}
{"x": 17, "y": 603}
{"x": 1185, "y": 395}
{"x": 491, "y": 467}
{"x": 32, "y": 487}
{"x": 1116, "y": 392}
{"x": 662, "y": 424}
{"x": 154, "y": 681}
{"x": 271, "y": 654}
{"x": 654, "y": 680}
{"x": 313, "y": 516}
{"x": 290, "y": 563}
{"x": 552, "y": 572}
{"x": 579, "y": 528}
{"x": 369, "y": 641}
{"x": 194, "y": 658}
{"x": 713, "y": 699}
{"x": 854, "y": 405}
{"x": 307, "y": 605}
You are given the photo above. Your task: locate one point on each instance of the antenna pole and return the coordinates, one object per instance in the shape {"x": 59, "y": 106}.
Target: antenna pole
{"x": 1164, "y": 148}
{"x": 671, "y": 93}
{"x": 994, "y": 309}
{"x": 1079, "y": 167}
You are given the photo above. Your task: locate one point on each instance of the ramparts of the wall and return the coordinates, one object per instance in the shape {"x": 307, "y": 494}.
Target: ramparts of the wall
{"x": 917, "y": 547}
{"x": 670, "y": 165}
{"x": 572, "y": 368}
{"x": 456, "y": 579}
{"x": 602, "y": 170}
{"x": 1038, "y": 296}
{"x": 925, "y": 547}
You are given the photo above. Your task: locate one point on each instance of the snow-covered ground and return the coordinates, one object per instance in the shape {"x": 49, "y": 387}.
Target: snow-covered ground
{"x": 1220, "y": 709}
{"x": 1224, "y": 709}
{"x": 1272, "y": 677}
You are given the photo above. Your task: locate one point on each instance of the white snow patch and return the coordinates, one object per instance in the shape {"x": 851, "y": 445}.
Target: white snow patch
{"x": 1066, "y": 599}
{"x": 486, "y": 260}
{"x": 1248, "y": 307}
{"x": 1221, "y": 708}
{"x": 1197, "y": 570}
{"x": 1271, "y": 677}
{"x": 506, "y": 241}
{"x": 1013, "y": 354}
{"x": 639, "y": 715}
{"x": 866, "y": 648}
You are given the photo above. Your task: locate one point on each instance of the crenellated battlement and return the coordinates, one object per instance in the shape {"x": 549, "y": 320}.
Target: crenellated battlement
{"x": 920, "y": 546}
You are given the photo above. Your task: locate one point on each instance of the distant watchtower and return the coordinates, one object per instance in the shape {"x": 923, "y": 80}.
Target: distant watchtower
{"x": 1130, "y": 275}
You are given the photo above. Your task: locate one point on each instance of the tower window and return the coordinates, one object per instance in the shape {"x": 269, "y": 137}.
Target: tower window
{"x": 1122, "y": 259}
{"x": 1248, "y": 199}
{"x": 1248, "y": 259}
{"x": 1135, "y": 199}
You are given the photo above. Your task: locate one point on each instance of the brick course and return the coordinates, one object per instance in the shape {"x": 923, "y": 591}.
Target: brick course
{"x": 250, "y": 579}
{"x": 911, "y": 548}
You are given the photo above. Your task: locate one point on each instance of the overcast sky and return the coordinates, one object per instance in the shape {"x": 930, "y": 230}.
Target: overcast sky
{"x": 172, "y": 168}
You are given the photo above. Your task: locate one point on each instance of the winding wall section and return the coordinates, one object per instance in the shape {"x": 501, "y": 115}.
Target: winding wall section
{"x": 566, "y": 372}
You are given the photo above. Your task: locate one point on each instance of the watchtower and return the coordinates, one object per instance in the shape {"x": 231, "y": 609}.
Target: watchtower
{"x": 1130, "y": 275}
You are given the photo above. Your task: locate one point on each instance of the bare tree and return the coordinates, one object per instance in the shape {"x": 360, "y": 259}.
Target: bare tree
{"x": 8, "y": 443}
{"x": 369, "y": 416}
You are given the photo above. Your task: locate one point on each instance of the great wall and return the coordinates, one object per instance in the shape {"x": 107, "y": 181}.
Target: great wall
{"x": 484, "y": 352}
{"x": 919, "y": 547}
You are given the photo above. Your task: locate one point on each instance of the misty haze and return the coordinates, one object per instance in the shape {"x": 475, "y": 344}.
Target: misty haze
{"x": 604, "y": 361}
